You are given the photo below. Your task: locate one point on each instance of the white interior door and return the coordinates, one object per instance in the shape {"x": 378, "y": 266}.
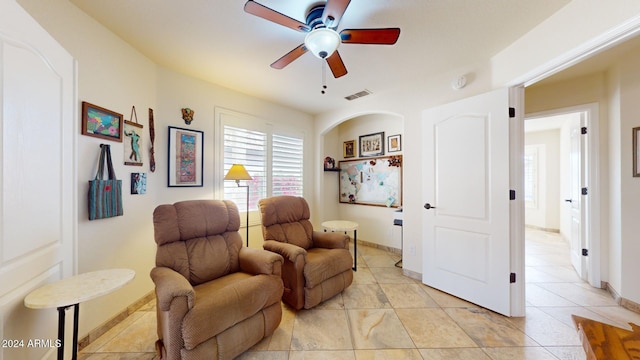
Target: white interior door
{"x": 576, "y": 181}
{"x": 466, "y": 245}
{"x": 38, "y": 183}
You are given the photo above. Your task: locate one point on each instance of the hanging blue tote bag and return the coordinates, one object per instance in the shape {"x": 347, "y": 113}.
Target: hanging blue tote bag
{"x": 105, "y": 196}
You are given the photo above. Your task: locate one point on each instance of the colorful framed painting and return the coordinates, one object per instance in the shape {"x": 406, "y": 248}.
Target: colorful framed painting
{"x": 133, "y": 143}
{"x": 372, "y": 144}
{"x": 101, "y": 123}
{"x": 186, "y": 149}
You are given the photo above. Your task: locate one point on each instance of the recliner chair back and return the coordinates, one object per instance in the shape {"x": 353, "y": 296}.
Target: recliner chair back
{"x": 287, "y": 220}
{"x": 189, "y": 236}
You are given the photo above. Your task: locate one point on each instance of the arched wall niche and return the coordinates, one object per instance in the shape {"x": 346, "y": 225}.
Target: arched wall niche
{"x": 375, "y": 222}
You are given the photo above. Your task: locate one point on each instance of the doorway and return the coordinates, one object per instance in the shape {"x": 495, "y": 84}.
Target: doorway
{"x": 560, "y": 182}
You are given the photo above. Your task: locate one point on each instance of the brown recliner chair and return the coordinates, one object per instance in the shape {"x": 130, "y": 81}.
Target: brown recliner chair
{"x": 317, "y": 265}
{"x": 215, "y": 298}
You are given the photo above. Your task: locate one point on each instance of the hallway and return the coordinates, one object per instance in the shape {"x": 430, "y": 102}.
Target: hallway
{"x": 385, "y": 315}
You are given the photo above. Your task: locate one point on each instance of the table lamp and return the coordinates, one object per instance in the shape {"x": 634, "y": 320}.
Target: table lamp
{"x": 237, "y": 173}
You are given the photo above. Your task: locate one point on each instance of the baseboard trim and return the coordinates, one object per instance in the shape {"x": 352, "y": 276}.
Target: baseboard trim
{"x": 115, "y": 320}
{"x": 542, "y": 228}
{"x": 412, "y": 274}
{"x": 625, "y": 303}
{"x": 381, "y": 247}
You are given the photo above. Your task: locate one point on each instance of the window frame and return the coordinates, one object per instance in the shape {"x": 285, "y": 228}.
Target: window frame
{"x": 226, "y": 117}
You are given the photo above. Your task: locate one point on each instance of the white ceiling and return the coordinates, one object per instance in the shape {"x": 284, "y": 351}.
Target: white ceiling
{"x": 215, "y": 40}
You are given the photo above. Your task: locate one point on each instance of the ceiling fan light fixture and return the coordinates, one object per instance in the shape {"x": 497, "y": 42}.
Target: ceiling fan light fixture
{"x": 322, "y": 42}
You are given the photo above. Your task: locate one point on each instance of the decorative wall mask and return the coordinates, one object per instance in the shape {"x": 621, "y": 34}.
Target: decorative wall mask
{"x": 187, "y": 115}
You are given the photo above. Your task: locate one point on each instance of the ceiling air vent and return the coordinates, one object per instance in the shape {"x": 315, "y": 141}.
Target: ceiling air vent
{"x": 359, "y": 94}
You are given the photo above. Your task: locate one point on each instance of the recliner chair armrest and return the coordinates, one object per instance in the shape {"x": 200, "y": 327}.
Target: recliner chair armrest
{"x": 169, "y": 285}
{"x": 288, "y": 251}
{"x": 258, "y": 261}
{"x": 330, "y": 240}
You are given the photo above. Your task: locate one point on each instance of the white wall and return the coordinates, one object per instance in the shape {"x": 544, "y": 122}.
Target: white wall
{"x": 114, "y": 75}
{"x": 546, "y": 214}
{"x": 330, "y": 179}
{"x": 614, "y": 215}
{"x": 176, "y": 91}
{"x": 629, "y": 185}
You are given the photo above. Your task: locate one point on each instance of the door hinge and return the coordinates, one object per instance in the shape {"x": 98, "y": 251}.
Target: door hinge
{"x": 512, "y": 112}
{"x": 585, "y": 252}
{"x": 512, "y": 194}
{"x": 584, "y": 191}
{"x": 512, "y": 278}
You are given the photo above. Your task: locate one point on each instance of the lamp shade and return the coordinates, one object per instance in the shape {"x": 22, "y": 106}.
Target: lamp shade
{"x": 237, "y": 172}
{"x": 322, "y": 42}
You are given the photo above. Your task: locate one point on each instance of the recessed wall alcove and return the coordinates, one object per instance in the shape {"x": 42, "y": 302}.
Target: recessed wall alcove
{"x": 375, "y": 222}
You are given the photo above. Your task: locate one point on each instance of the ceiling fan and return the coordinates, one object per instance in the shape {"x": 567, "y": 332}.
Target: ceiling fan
{"x": 322, "y": 39}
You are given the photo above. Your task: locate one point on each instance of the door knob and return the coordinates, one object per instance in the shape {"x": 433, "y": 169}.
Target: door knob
{"x": 568, "y": 200}
{"x": 428, "y": 206}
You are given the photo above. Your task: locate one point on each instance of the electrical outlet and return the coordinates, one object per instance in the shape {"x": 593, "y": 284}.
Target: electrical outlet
{"x": 412, "y": 249}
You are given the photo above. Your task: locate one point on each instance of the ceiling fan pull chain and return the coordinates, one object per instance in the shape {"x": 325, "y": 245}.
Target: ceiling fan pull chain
{"x": 324, "y": 76}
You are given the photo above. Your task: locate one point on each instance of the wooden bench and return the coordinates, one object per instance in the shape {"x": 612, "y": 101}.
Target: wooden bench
{"x": 606, "y": 342}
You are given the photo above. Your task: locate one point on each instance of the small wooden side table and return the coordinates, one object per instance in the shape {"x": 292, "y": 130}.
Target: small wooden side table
{"x": 72, "y": 291}
{"x": 343, "y": 225}
{"x": 602, "y": 341}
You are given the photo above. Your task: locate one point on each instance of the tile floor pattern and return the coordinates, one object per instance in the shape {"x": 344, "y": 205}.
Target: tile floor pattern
{"x": 385, "y": 315}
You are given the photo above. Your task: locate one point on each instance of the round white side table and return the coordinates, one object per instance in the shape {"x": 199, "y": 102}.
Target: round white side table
{"x": 72, "y": 291}
{"x": 343, "y": 225}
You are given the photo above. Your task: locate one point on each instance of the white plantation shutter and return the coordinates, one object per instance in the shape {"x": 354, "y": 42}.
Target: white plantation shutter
{"x": 249, "y": 148}
{"x": 287, "y": 158}
{"x": 281, "y": 173}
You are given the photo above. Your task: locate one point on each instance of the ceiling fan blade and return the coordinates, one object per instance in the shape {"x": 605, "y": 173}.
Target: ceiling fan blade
{"x": 387, "y": 36}
{"x": 333, "y": 11}
{"x": 289, "y": 57}
{"x": 266, "y": 13}
{"x": 336, "y": 65}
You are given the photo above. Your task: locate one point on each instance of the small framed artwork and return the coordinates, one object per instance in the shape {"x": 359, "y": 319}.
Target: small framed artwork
{"x": 349, "y": 149}
{"x": 185, "y": 157}
{"x": 372, "y": 144}
{"x": 133, "y": 143}
{"x": 394, "y": 143}
{"x": 636, "y": 152}
{"x": 101, "y": 123}
{"x": 138, "y": 183}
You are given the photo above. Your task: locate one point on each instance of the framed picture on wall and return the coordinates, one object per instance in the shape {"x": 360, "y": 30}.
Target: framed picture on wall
{"x": 133, "y": 143}
{"x": 636, "y": 152}
{"x": 372, "y": 144}
{"x": 138, "y": 183}
{"x": 394, "y": 143}
{"x": 101, "y": 123}
{"x": 185, "y": 157}
{"x": 349, "y": 149}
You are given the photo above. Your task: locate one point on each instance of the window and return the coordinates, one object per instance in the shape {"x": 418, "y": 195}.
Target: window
{"x": 531, "y": 185}
{"x": 249, "y": 148}
{"x": 287, "y": 165}
{"x": 274, "y": 161}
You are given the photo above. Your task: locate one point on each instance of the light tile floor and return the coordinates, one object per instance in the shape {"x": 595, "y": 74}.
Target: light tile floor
{"x": 385, "y": 315}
